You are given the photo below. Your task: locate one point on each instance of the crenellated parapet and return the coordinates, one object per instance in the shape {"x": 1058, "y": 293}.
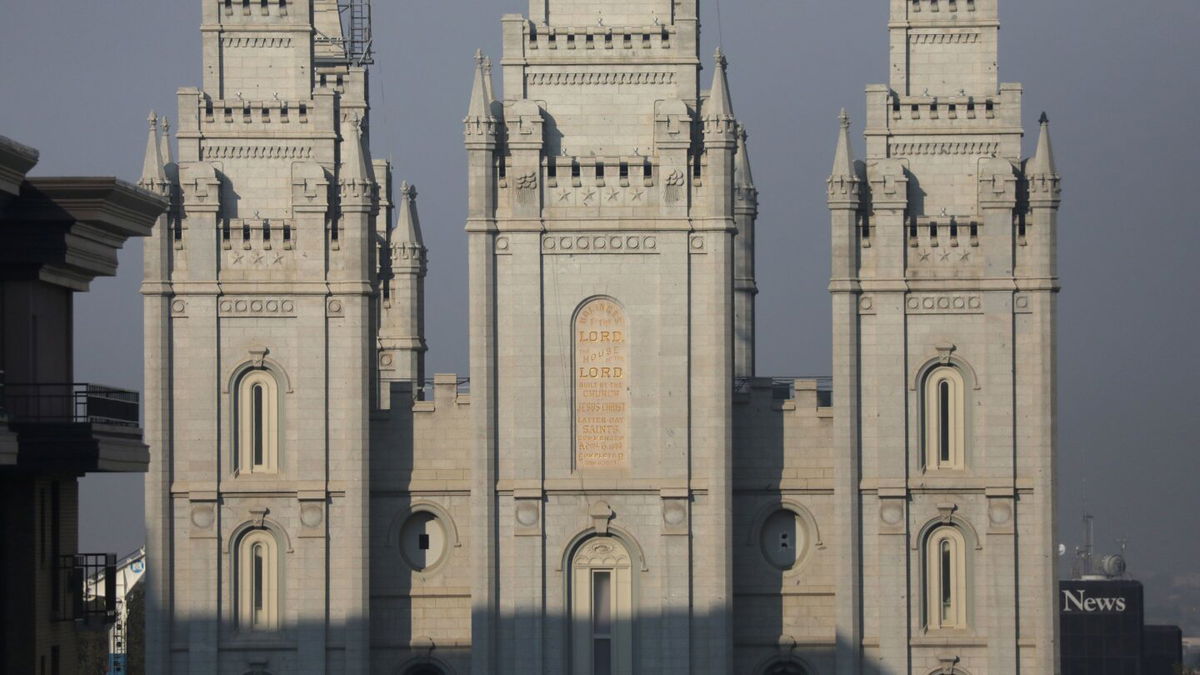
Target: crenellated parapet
{"x": 555, "y": 44}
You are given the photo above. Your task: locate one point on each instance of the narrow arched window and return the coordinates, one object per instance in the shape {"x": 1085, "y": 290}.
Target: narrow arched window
{"x": 944, "y": 419}
{"x": 946, "y": 579}
{"x": 602, "y": 608}
{"x": 257, "y": 582}
{"x": 257, "y": 416}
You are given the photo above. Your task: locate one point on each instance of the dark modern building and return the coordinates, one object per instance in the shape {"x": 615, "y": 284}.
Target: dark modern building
{"x": 56, "y": 235}
{"x": 1104, "y": 632}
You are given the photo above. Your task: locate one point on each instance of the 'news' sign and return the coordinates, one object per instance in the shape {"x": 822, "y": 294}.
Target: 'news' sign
{"x": 1079, "y": 601}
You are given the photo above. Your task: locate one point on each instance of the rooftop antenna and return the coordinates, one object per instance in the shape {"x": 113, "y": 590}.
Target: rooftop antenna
{"x": 720, "y": 34}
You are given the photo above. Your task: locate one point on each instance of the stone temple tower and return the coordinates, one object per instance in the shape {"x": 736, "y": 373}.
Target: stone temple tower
{"x": 260, "y": 336}
{"x": 603, "y": 238}
{"x": 944, "y": 290}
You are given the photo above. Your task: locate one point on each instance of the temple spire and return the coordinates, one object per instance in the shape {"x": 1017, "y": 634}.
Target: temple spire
{"x": 356, "y": 168}
{"x": 153, "y": 172}
{"x": 408, "y": 225}
{"x": 843, "y": 158}
{"x": 719, "y": 102}
{"x": 1043, "y": 158}
{"x": 743, "y": 178}
{"x": 481, "y": 93}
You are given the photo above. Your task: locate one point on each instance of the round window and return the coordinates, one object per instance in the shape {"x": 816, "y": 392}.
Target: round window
{"x": 422, "y": 541}
{"x": 783, "y": 539}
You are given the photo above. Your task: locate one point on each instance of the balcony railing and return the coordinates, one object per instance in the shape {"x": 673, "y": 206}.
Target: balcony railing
{"x": 63, "y": 403}
{"x": 84, "y": 588}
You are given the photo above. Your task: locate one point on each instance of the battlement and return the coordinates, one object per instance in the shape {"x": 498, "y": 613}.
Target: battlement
{"x": 261, "y": 12}
{"x": 555, "y": 44}
{"x": 960, "y": 125}
{"x": 611, "y": 186}
{"x": 609, "y": 12}
{"x": 951, "y": 10}
{"x": 258, "y": 234}
{"x": 222, "y": 117}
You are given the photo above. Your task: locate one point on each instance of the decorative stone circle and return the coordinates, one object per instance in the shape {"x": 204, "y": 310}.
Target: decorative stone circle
{"x": 203, "y": 517}
{"x": 891, "y": 514}
{"x": 311, "y": 515}
{"x": 527, "y": 514}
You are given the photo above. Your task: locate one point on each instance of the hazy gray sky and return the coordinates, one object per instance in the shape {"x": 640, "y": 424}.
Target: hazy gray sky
{"x": 1119, "y": 80}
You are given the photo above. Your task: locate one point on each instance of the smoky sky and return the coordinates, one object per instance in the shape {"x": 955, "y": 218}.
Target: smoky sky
{"x": 1119, "y": 81}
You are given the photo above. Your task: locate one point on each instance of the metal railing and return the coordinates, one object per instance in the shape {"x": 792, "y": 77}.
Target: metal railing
{"x": 65, "y": 403}
{"x": 84, "y": 588}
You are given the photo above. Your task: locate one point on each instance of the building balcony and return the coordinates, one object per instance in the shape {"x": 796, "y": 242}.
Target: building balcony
{"x": 73, "y": 427}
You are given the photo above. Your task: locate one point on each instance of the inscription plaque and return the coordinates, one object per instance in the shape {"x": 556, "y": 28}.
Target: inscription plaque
{"x": 601, "y": 386}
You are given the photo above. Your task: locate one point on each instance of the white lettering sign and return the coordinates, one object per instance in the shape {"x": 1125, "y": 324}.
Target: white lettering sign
{"x": 1077, "y": 601}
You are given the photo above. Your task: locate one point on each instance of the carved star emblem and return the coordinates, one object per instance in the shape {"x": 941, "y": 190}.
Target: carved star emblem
{"x": 278, "y": 259}
{"x": 924, "y": 256}
{"x": 945, "y": 256}
{"x": 238, "y": 258}
{"x": 637, "y": 194}
{"x": 965, "y": 256}
{"x": 612, "y": 195}
{"x": 258, "y": 258}
{"x": 587, "y": 197}
{"x": 564, "y": 195}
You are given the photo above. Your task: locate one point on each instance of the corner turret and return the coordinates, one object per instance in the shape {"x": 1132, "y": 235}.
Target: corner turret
{"x": 745, "y": 286}
{"x": 402, "y": 344}
{"x": 479, "y": 111}
{"x": 718, "y": 110}
{"x": 843, "y": 179}
{"x": 1042, "y": 166}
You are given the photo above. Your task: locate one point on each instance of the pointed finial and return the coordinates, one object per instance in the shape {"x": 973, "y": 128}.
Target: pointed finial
{"x": 355, "y": 165}
{"x": 1043, "y": 158}
{"x": 843, "y": 158}
{"x": 153, "y": 172}
{"x": 481, "y": 90}
{"x": 743, "y": 177}
{"x": 408, "y": 224}
{"x": 719, "y": 102}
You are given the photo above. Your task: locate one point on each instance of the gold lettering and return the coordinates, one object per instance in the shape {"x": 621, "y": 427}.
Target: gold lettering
{"x": 601, "y": 386}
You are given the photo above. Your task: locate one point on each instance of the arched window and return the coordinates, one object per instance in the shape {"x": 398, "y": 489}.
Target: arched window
{"x": 944, "y": 416}
{"x": 945, "y": 579}
{"x": 602, "y": 608}
{"x": 257, "y": 582}
{"x": 257, "y": 423}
